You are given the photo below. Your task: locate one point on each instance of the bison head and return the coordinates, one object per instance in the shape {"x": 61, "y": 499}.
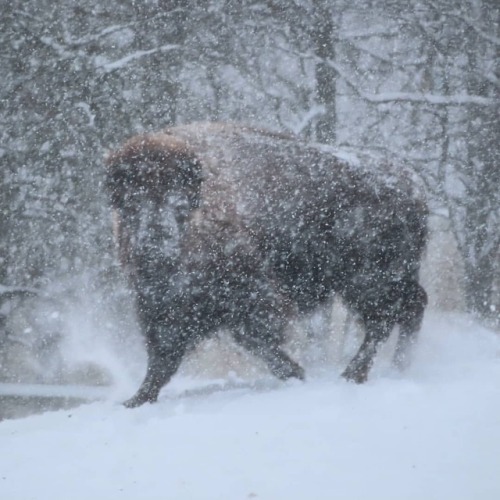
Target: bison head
{"x": 154, "y": 184}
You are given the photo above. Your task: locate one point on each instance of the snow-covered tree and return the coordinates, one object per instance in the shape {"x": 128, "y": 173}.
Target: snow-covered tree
{"x": 412, "y": 83}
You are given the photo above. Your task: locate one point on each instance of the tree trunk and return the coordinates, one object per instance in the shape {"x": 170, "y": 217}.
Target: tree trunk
{"x": 325, "y": 36}
{"x": 481, "y": 239}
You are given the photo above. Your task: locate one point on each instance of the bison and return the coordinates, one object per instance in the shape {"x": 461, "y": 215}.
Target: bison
{"x": 229, "y": 226}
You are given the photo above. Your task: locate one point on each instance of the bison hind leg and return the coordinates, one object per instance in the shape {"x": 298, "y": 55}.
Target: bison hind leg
{"x": 410, "y": 322}
{"x": 376, "y": 332}
{"x": 403, "y": 305}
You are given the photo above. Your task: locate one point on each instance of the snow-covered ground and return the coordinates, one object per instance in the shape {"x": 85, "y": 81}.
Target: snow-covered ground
{"x": 431, "y": 433}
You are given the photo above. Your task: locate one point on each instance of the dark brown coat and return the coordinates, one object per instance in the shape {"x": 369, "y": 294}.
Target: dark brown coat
{"x": 222, "y": 225}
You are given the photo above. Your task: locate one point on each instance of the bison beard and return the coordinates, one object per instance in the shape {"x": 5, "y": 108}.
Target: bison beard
{"x": 226, "y": 226}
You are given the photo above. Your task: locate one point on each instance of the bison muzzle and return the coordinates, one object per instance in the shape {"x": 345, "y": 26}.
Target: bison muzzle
{"x": 228, "y": 226}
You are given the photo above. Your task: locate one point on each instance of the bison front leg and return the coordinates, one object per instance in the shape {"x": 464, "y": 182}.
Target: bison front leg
{"x": 262, "y": 336}
{"x": 260, "y": 316}
{"x": 359, "y": 367}
{"x": 281, "y": 364}
{"x": 277, "y": 360}
{"x": 164, "y": 358}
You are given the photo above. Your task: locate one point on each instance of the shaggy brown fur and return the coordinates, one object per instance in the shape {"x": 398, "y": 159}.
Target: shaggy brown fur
{"x": 229, "y": 226}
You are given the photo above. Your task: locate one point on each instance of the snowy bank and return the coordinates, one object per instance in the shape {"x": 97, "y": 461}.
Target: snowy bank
{"x": 432, "y": 433}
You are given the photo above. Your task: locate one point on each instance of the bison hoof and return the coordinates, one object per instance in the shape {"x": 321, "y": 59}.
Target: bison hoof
{"x": 401, "y": 362}
{"x": 297, "y": 372}
{"x": 138, "y": 400}
{"x": 358, "y": 375}
{"x": 290, "y": 370}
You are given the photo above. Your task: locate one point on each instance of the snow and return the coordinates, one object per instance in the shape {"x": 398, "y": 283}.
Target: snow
{"x": 432, "y": 432}
{"x": 120, "y": 63}
{"x": 415, "y": 97}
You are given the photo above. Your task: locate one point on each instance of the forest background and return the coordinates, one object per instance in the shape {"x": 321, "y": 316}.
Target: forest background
{"x": 414, "y": 83}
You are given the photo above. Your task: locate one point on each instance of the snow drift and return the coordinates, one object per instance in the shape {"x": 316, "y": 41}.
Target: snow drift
{"x": 431, "y": 433}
